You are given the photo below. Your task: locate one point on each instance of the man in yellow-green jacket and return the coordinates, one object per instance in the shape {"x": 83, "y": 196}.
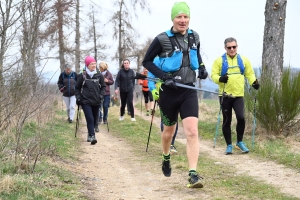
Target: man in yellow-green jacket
{"x": 229, "y": 72}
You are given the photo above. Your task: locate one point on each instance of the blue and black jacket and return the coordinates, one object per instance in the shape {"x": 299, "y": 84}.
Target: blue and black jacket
{"x": 68, "y": 81}
{"x": 181, "y": 63}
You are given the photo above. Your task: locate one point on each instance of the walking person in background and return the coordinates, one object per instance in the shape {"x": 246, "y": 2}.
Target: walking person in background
{"x": 229, "y": 72}
{"x": 125, "y": 83}
{"x": 178, "y": 51}
{"x": 108, "y": 79}
{"x": 66, "y": 84}
{"x": 90, "y": 89}
{"x": 146, "y": 92}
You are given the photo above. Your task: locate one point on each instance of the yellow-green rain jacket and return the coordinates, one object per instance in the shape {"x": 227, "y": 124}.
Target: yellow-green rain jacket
{"x": 236, "y": 80}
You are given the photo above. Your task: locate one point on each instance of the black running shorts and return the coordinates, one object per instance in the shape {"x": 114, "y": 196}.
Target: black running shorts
{"x": 173, "y": 101}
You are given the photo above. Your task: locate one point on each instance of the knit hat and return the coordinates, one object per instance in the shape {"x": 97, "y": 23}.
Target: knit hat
{"x": 180, "y": 8}
{"x": 88, "y": 60}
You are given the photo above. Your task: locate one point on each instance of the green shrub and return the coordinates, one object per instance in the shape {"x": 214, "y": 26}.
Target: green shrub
{"x": 277, "y": 106}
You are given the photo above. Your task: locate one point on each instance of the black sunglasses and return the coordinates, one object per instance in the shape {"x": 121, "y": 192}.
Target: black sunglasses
{"x": 231, "y": 47}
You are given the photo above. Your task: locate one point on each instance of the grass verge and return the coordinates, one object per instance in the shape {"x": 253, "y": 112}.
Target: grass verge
{"x": 221, "y": 181}
{"x": 49, "y": 179}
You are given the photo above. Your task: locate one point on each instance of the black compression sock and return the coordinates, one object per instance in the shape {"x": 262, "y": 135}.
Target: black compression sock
{"x": 166, "y": 157}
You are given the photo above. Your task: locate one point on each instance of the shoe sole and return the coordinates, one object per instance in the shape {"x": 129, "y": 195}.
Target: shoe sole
{"x": 237, "y": 147}
{"x": 167, "y": 175}
{"x": 228, "y": 153}
{"x": 196, "y": 185}
{"x": 173, "y": 152}
{"x": 93, "y": 142}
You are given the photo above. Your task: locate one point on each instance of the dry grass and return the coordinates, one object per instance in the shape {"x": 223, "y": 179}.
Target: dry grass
{"x": 7, "y": 184}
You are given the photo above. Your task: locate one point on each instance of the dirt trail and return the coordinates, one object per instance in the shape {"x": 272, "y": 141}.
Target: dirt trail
{"x": 286, "y": 179}
{"x": 110, "y": 170}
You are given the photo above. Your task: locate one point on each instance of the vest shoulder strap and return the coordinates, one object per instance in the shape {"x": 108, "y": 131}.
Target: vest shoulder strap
{"x": 175, "y": 44}
{"x": 225, "y": 65}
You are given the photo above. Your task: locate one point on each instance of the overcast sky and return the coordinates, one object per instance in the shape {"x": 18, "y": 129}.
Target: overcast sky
{"x": 216, "y": 20}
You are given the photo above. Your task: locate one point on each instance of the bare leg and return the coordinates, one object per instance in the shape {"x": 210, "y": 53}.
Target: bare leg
{"x": 190, "y": 127}
{"x": 166, "y": 138}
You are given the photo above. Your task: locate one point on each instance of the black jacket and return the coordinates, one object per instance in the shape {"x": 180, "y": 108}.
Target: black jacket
{"x": 125, "y": 80}
{"x": 89, "y": 90}
{"x": 68, "y": 82}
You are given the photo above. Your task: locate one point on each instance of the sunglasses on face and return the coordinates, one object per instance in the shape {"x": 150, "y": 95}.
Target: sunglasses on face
{"x": 233, "y": 47}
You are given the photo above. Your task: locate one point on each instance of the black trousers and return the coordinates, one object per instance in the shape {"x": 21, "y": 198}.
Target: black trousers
{"x": 237, "y": 104}
{"x": 126, "y": 98}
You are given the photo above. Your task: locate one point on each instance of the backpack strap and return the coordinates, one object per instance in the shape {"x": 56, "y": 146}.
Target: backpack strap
{"x": 225, "y": 65}
{"x": 191, "y": 39}
{"x": 175, "y": 44}
{"x": 84, "y": 78}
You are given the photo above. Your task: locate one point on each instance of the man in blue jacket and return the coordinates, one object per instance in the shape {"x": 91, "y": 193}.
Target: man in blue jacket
{"x": 66, "y": 84}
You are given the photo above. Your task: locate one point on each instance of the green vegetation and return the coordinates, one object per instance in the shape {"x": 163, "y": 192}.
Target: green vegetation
{"x": 277, "y": 104}
{"x": 49, "y": 180}
{"x": 222, "y": 182}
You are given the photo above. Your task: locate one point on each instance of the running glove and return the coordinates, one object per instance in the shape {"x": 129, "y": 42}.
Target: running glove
{"x": 169, "y": 81}
{"x": 223, "y": 79}
{"x": 255, "y": 84}
{"x": 62, "y": 89}
{"x": 155, "y": 94}
{"x": 202, "y": 73}
{"x": 78, "y": 102}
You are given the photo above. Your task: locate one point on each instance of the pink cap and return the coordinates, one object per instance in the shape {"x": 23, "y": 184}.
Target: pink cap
{"x": 88, "y": 60}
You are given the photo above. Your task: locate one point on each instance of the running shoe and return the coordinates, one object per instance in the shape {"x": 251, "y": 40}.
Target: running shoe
{"x": 195, "y": 181}
{"x": 89, "y": 138}
{"x": 242, "y": 147}
{"x": 228, "y": 149}
{"x": 93, "y": 140}
{"x": 166, "y": 168}
{"x": 173, "y": 149}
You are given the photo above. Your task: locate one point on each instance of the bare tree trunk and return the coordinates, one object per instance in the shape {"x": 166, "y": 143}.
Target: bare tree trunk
{"x": 95, "y": 37}
{"x": 61, "y": 35}
{"x": 31, "y": 21}
{"x": 77, "y": 39}
{"x": 273, "y": 44}
{"x": 120, "y": 34}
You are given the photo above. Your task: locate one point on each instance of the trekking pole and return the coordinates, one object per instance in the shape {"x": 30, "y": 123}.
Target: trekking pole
{"x": 219, "y": 118}
{"x": 77, "y": 120}
{"x": 62, "y": 108}
{"x": 254, "y": 122}
{"x": 107, "y": 125}
{"x": 142, "y": 104}
{"x": 153, "y": 111}
{"x": 141, "y": 76}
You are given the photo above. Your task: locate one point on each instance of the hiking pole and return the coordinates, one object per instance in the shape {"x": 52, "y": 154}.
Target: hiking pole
{"x": 77, "y": 120}
{"x": 62, "y": 108}
{"x": 142, "y": 104}
{"x": 153, "y": 111}
{"x": 141, "y": 76}
{"x": 219, "y": 117}
{"x": 254, "y": 122}
{"x": 107, "y": 125}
